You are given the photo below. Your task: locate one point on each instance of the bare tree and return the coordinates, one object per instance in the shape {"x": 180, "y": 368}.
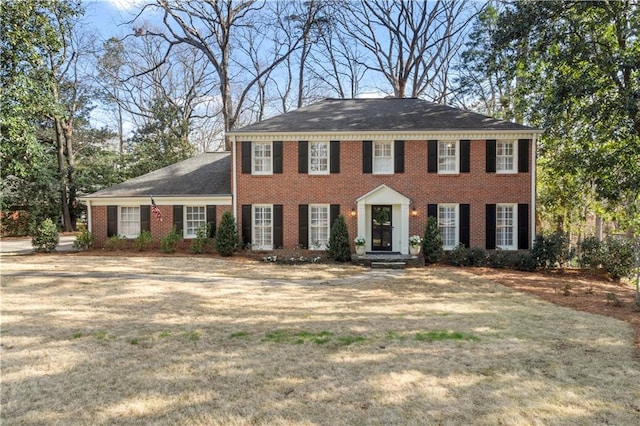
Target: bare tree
{"x": 409, "y": 42}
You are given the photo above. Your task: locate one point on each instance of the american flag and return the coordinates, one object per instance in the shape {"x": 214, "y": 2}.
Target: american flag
{"x": 156, "y": 210}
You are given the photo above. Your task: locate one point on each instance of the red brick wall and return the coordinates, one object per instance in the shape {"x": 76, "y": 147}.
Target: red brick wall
{"x": 290, "y": 188}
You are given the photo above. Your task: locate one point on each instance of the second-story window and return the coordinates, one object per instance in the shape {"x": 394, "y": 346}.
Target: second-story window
{"x": 447, "y": 157}
{"x": 382, "y": 158}
{"x": 506, "y": 157}
{"x": 319, "y": 158}
{"x": 262, "y": 158}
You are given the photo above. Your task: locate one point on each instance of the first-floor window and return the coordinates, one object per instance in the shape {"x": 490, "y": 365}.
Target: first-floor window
{"x": 318, "y": 226}
{"x": 506, "y": 226}
{"x": 196, "y": 216}
{"x": 129, "y": 221}
{"x": 448, "y": 224}
{"x": 262, "y": 227}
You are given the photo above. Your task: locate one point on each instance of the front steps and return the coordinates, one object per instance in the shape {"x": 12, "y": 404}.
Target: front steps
{"x": 387, "y": 260}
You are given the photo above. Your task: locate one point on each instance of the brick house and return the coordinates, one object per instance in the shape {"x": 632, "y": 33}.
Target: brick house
{"x": 386, "y": 165}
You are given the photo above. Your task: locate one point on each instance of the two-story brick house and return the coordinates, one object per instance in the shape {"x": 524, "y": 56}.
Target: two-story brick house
{"x": 385, "y": 165}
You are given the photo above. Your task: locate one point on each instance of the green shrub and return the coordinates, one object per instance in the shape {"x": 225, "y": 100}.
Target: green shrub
{"x": 525, "y": 262}
{"x": 551, "y": 251}
{"x": 618, "y": 257}
{"x": 432, "y": 242}
{"x": 459, "y": 256}
{"x": 45, "y": 237}
{"x": 84, "y": 240}
{"x": 590, "y": 253}
{"x": 169, "y": 242}
{"x": 227, "y": 238}
{"x": 202, "y": 239}
{"x": 115, "y": 242}
{"x": 339, "y": 246}
{"x": 143, "y": 240}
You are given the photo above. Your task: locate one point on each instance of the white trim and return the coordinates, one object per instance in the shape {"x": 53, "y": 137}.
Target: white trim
{"x": 328, "y": 211}
{"x": 322, "y": 172}
{"x": 234, "y": 177}
{"x": 132, "y": 235}
{"x": 373, "y": 157}
{"x": 532, "y": 212}
{"x": 253, "y": 159}
{"x": 216, "y": 200}
{"x": 185, "y": 220}
{"x": 386, "y": 135}
{"x": 456, "y": 170}
{"x": 254, "y": 246}
{"x": 514, "y": 170}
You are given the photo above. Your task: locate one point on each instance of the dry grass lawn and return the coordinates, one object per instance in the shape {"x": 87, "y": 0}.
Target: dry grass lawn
{"x": 102, "y": 340}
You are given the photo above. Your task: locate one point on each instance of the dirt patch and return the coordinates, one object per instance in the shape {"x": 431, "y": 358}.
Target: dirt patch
{"x": 574, "y": 289}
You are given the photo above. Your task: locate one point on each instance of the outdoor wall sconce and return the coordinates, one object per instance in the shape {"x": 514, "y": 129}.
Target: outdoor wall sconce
{"x": 414, "y": 212}
{"x": 353, "y": 212}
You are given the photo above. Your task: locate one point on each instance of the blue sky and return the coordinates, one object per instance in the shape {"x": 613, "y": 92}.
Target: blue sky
{"x": 108, "y": 16}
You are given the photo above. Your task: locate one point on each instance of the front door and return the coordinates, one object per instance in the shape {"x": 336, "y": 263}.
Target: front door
{"x": 381, "y": 228}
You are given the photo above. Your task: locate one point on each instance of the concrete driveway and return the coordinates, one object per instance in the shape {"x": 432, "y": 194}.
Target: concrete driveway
{"x": 22, "y": 245}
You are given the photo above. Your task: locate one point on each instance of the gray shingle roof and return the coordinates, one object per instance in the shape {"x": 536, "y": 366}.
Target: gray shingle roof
{"x": 389, "y": 114}
{"x": 204, "y": 174}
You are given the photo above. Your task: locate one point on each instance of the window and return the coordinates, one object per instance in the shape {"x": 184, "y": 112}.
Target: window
{"x": 196, "y": 217}
{"x": 448, "y": 224}
{"x": 318, "y": 226}
{"x": 447, "y": 157}
{"x": 506, "y": 226}
{"x": 506, "y": 156}
{"x": 382, "y": 158}
{"x": 262, "y": 158}
{"x": 129, "y": 221}
{"x": 262, "y": 227}
{"x": 319, "y": 158}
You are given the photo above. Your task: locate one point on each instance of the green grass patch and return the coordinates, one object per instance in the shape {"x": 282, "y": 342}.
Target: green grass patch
{"x": 298, "y": 338}
{"x": 439, "y": 335}
{"x": 103, "y": 335}
{"x": 239, "y": 334}
{"x": 133, "y": 341}
{"x": 194, "y": 336}
{"x": 349, "y": 340}
{"x": 164, "y": 334}
{"x": 77, "y": 335}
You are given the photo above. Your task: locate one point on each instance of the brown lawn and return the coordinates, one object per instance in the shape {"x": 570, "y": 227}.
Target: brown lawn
{"x": 200, "y": 340}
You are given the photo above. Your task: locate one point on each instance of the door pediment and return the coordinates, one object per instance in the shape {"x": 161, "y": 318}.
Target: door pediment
{"x": 383, "y": 195}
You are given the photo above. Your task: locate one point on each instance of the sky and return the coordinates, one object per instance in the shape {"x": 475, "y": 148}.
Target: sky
{"x": 108, "y": 17}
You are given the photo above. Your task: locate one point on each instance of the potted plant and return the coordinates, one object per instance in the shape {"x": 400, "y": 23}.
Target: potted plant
{"x": 415, "y": 243}
{"x": 359, "y": 242}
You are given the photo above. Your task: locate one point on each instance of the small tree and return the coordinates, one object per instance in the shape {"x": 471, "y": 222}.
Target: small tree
{"x": 432, "y": 242}
{"x": 339, "y": 247}
{"x": 45, "y": 237}
{"x": 227, "y": 238}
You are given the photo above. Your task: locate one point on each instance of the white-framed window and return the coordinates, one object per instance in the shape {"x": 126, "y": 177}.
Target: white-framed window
{"x": 262, "y": 227}
{"x": 506, "y": 226}
{"x": 195, "y": 217}
{"x": 448, "y": 157}
{"x": 506, "y": 155}
{"x": 382, "y": 157}
{"x": 262, "y": 158}
{"x": 129, "y": 221}
{"x": 318, "y": 226}
{"x": 448, "y": 224}
{"x": 318, "y": 158}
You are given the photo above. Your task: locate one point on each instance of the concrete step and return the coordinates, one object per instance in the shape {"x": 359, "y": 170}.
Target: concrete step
{"x": 388, "y": 265}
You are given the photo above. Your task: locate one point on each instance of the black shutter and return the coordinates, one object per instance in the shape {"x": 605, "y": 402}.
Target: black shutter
{"x": 303, "y": 225}
{"x": 432, "y": 156}
{"x": 367, "y": 156}
{"x": 465, "y": 156}
{"x": 246, "y": 157}
{"x": 178, "y": 218}
{"x": 277, "y": 226}
{"x": 491, "y": 156}
{"x": 432, "y": 210}
{"x": 334, "y": 164}
{"x": 211, "y": 220}
{"x": 145, "y": 218}
{"x": 464, "y": 237}
{"x": 303, "y": 157}
{"x": 247, "y": 224}
{"x": 112, "y": 221}
{"x": 523, "y": 226}
{"x": 523, "y": 155}
{"x": 334, "y": 212}
{"x": 490, "y": 228}
{"x": 277, "y": 157}
{"x": 398, "y": 157}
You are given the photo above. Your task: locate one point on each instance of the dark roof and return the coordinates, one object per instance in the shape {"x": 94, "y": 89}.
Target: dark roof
{"x": 204, "y": 174}
{"x": 389, "y": 114}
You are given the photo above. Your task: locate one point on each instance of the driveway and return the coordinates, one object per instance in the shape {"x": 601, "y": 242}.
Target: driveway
{"x": 22, "y": 245}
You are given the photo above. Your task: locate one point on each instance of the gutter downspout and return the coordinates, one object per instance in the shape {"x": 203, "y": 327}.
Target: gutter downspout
{"x": 534, "y": 146}
{"x": 234, "y": 178}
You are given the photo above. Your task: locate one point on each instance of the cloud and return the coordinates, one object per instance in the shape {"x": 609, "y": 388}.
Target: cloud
{"x": 125, "y": 5}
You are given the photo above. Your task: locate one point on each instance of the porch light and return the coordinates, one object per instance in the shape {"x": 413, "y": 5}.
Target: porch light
{"x": 353, "y": 212}
{"x": 414, "y": 212}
